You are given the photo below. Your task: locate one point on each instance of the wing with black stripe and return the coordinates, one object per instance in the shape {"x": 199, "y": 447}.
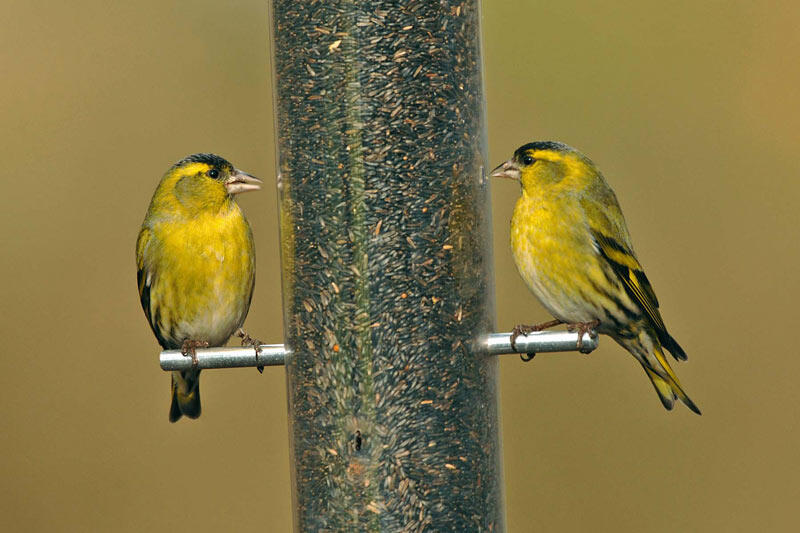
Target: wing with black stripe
{"x": 144, "y": 279}
{"x": 608, "y": 230}
{"x": 629, "y": 271}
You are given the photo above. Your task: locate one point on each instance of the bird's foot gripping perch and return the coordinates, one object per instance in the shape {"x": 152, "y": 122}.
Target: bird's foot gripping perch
{"x": 582, "y": 328}
{"x": 522, "y": 329}
{"x": 247, "y": 340}
{"x": 189, "y": 348}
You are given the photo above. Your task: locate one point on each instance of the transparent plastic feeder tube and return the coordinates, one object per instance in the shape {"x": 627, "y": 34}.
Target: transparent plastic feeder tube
{"x": 385, "y": 232}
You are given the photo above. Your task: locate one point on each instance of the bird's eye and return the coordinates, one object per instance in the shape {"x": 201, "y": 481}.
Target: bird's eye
{"x": 213, "y": 173}
{"x": 527, "y": 160}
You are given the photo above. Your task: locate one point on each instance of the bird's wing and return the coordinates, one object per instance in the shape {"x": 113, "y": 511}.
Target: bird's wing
{"x": 142, "y": 274}
{"x": 610, "y": 235}
{"x": 145, "y": 278}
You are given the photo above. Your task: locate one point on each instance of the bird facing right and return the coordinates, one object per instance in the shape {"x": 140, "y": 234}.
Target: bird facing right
{"x": 572, "y": 248}
{"x": 195, "y": 263}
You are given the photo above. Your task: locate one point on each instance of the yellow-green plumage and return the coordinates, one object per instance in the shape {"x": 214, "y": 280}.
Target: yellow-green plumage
{"x": 196, "y": 263}
{"x": 572, "y": 248}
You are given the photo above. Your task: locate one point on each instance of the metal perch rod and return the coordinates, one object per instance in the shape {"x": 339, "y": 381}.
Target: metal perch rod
{"x": 275, "y": 354}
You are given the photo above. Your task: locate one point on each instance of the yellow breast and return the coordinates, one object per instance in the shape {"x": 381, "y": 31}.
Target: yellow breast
{"x": 204, "y": 274}
{"x": 552, "y": 255}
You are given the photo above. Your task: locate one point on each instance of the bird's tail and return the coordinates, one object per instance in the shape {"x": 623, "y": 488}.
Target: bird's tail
{"x": 647, "y": 349}
{"x": 668, "y": 342}
{"x": 185, "y": 395}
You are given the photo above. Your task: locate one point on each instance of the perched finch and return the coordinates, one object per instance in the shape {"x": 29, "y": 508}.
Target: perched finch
{"x": 572, "y": 248}
{"x": 196, "y": 264}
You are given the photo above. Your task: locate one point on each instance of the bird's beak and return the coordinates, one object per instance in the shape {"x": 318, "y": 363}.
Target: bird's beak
{"x": 508, "y": 170}
{"x": 242, "y": 182}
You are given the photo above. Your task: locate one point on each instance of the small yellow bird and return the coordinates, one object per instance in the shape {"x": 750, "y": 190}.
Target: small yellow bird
{"x": 572, "y": 248}
{"x": 196, "y": 264}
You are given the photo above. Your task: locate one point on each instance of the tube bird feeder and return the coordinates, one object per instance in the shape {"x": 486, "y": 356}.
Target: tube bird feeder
{"x": 386, "y": 260}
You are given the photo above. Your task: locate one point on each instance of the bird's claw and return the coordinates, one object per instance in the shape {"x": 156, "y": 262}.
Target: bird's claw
{"x": 247, "y": 340}
{"x": 583, "y": 328}
{"x": 519, "y": 329}
{"x": 522, "y": 329}
{"x": 525, "y": 357}
{"x": 189, "y": 348}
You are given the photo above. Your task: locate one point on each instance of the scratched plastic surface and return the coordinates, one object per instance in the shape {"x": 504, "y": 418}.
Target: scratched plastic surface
{"x": 386, "y": 261}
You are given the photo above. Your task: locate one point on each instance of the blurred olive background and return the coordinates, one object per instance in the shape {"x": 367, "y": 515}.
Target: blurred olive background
{"x": 691, "y": 110}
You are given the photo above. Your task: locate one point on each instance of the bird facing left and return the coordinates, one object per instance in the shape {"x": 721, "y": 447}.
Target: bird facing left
{"x": 572, "y": 247}
{"x": 195, "y": 262}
